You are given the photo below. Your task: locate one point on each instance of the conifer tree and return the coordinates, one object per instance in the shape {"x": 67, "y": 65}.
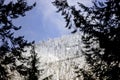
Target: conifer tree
{"x": 101, "y": 21}
{"x": 11, "y": 46}
{"x": 33, "y": 70}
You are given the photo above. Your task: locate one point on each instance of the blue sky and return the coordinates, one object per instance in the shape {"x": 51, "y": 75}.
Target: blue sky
{"x": 42, "y": 22}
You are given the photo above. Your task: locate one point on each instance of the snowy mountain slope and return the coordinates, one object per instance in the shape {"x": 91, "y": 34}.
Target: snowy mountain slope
{"x": 59, "y": 56}
{"x": 61, "y": 48}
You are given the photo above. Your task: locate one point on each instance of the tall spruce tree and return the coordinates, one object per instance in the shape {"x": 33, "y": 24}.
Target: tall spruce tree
{"x": 101, "y": 21}
{"x": 11, "y": 46}
{"x": 33, "y": 70}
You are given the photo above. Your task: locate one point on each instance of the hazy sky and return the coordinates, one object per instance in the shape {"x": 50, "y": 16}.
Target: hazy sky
{"x": 42, "y": 22}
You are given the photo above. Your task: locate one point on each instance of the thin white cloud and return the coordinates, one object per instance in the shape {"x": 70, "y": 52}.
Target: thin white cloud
{"x": 49, "y": 14}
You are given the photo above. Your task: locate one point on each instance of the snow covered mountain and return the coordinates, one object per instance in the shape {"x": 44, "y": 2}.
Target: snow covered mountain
{"x": 59, "y": 56}
{"x": 60, "y": 48}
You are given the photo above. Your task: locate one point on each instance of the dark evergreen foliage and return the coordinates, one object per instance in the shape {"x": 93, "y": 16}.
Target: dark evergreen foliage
{"x": 33, "y": 70}
{"x": 11, "y": 46}
{"x": 101, "y": 21}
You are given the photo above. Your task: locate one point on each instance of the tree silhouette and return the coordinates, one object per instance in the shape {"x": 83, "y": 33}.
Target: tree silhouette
{"x": 10, "y": 45}
{"x": 33, "y": 70}
{"x": 101, "y": 21}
